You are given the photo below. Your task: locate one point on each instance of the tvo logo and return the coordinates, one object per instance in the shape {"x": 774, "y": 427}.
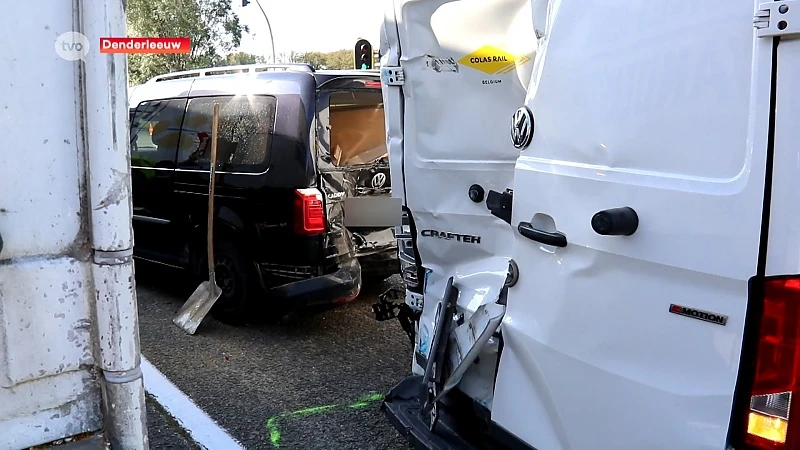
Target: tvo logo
{"x": 72, "y": 46}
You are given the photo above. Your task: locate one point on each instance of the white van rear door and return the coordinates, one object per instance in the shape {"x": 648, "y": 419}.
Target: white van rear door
{"x": 464, "y": 67}
{"x": 633, "y": 342}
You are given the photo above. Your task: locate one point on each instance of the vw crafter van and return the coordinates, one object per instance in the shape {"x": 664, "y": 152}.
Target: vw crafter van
{"x": 603, "y": 222}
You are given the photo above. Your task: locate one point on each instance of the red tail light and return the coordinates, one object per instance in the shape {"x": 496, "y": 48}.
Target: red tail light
{"x": 776, "y": 383}
{"x": 309, "y": 212}
{"x": 375, "y": 84}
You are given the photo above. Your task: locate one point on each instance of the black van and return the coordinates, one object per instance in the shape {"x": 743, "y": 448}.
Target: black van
{"x": 302, "y": 201}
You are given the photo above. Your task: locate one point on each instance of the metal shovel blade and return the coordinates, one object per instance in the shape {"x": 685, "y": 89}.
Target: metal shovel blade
{"x": 197, "y": 307}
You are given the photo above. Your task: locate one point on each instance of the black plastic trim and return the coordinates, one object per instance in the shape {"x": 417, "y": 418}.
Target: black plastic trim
{"x": 325, "y": 289}
{"x": 500, "y": 204}
{"x": 737, "y": 429}
{"x": 420, "y": 288}
{"x": 545, "y": 237}
{"x": 459, "y": 428}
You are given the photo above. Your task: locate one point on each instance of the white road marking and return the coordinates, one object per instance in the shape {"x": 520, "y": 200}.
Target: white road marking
{"x": 202, "y": 428}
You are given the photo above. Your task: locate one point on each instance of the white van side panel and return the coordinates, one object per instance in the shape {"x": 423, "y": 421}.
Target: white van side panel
{"x": 662, "y": 107}
{"x": 466, "y": 64}
{"x": 783, "y": 251}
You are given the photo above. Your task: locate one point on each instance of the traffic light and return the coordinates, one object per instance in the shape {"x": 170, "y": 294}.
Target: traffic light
{"x": 363, "y": 55}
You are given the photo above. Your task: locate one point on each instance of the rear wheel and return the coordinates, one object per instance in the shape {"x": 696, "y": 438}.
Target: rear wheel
{"x": 234, "y": 274}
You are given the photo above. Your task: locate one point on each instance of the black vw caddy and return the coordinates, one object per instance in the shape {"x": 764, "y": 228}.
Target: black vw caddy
{"x": 303, "y": 210}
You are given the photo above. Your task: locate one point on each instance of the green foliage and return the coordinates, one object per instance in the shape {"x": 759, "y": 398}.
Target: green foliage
{"x": 234, "y": 59}
{"x": 215, "y": 33}
{"x": 339, "y": 59}
{"x": 212, "y": 26}
{"x": 316, "y": 59}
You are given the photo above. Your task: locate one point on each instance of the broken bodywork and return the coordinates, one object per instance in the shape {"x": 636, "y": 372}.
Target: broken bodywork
{"x": 354, "y": 171}
{"x": 455, "y": 251}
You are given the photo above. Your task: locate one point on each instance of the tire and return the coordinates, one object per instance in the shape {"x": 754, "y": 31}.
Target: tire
{"x": 235, "y": 276}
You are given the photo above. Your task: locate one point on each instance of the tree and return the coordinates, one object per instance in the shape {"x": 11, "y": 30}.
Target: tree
{"x": 234, "y": 59}
{"x": 317, "y": 60}
{"x": 211, "y": 25}
{"x": 340, "y": 59}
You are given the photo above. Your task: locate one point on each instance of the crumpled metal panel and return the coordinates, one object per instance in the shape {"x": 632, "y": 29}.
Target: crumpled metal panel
{"x": 341, "y": 182}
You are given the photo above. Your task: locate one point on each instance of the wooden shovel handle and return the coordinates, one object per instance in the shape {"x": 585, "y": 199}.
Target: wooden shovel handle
{"x": 211, "y": 186}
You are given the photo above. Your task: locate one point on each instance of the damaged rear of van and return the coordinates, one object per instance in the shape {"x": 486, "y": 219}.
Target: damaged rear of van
{"x": 603, "y": 223}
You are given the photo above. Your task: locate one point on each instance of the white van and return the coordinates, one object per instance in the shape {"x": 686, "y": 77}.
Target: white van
{"x": 605, "y": 215}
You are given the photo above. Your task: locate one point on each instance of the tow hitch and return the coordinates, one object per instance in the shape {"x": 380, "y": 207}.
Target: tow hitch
{"x": 390, "y": 308}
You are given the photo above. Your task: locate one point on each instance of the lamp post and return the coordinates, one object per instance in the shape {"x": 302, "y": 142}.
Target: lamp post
{"x": 269, "y": 27}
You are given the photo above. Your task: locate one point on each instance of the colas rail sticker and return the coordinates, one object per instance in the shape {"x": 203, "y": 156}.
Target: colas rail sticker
{"x": 493, "y": 60}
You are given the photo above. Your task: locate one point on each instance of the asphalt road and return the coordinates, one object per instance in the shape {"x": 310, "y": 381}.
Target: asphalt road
{"x": 312, "y": 383}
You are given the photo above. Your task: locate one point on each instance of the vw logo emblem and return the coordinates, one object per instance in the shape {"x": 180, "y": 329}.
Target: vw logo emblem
{"x": 378, "y": 180}
{"x": 522, "y": 127}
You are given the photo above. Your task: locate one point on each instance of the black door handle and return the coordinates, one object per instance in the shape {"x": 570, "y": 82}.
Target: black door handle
{"x": 545, "y": 237}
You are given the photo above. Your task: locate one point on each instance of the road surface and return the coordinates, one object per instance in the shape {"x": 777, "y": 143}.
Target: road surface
{"x": 312, "y": 383}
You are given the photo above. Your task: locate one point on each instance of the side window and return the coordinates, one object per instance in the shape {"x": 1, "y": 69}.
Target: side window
{"x": 245, "y": 132}
{"x": 155, "y": 130}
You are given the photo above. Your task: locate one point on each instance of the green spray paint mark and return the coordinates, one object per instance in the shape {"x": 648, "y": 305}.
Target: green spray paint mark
{"x": 365, "y": 401}
{"x": 272, "y": 422}
{"x": 274, "y": 432}
{"x": 311, "y": 411}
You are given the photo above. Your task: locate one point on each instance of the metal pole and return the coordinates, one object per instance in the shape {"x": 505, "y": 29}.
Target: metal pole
{"x": 271, "y": 40}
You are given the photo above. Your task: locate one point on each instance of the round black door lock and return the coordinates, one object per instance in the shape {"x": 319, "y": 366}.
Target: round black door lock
{"x": 476, "y": 193}
{"x": 616, "y": 222}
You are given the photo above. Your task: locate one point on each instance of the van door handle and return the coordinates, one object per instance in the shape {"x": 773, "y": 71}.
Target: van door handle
{"x": 544, "y": 237}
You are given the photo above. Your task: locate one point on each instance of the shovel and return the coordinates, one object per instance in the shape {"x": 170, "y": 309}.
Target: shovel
{"x": 195, "y": 309}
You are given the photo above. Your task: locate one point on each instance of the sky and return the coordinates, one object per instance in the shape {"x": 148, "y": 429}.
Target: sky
{"x": 309, "y": 25}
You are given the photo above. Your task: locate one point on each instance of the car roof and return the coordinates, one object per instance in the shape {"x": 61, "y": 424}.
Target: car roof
{"x": 242, "y": 80}
{"x": 323, "y": 76}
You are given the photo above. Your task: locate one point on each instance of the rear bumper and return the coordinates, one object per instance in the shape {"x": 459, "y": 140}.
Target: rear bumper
{"x": 402, "y": 408}
{"x": 377, "y": 252}
{"x": 340, "y": 286}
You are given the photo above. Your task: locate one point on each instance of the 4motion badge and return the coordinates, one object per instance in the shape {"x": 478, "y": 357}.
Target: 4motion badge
{"x": 698, "y": 314}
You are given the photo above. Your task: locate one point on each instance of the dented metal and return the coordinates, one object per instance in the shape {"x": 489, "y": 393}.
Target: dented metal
{"x": 343, "y": 181}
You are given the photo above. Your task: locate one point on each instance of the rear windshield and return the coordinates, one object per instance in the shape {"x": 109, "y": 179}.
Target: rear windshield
{"x": 357, "y": 127}
{"x": 245, "y": 130}
{"x": 170, "y": 132}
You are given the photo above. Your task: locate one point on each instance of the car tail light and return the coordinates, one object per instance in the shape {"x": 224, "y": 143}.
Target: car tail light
{"x": 776, "y": 382}
{"x": 309, "y": 212}
{"x": 376, "y": 84}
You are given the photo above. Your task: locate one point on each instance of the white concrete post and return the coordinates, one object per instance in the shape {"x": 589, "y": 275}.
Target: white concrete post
{"x": 105, "y": 130}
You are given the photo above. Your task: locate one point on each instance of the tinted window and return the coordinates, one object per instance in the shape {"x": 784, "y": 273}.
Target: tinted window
{"x": 245, "y": 130}
{"x": 155, "y": 130}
